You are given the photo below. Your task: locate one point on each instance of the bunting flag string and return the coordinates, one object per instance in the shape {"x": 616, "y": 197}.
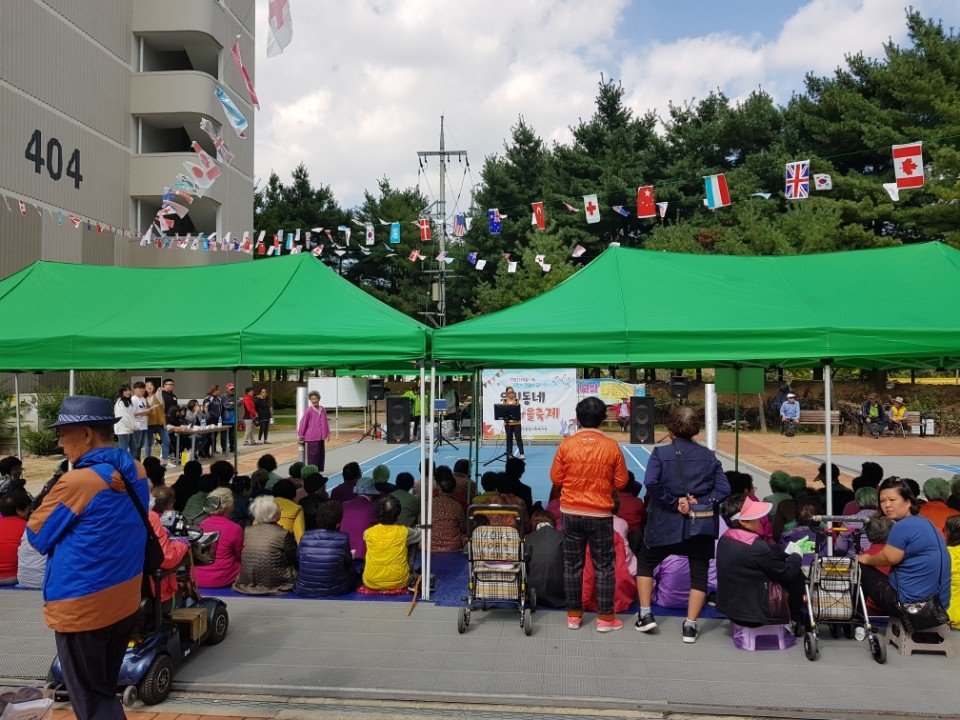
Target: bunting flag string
{"x": 241, "y": 68}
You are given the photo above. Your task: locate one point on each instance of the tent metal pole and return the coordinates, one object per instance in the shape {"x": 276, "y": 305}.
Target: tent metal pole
{"x": 73, "y": 390}
{"x": 236, "y": 423}
{"x": 828, "y": 470}
{"x": 336, "y": 399}
{"x": 423, "y": 492}
{"x": 429, "y": 489}
{"x": 16, "y": 392}
{"x": 736, "y": 421}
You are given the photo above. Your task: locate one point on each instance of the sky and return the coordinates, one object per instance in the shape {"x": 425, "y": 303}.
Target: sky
{"x": 361, "y": 87}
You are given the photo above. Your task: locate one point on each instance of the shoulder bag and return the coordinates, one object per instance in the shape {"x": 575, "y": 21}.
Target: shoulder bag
{"x": 927, "y": 613}
{"x": 153, "y": 553}
{"x": 703, "y": 518}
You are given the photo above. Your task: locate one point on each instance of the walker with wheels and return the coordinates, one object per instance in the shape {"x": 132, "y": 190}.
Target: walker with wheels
{"x": 834, "y": 596}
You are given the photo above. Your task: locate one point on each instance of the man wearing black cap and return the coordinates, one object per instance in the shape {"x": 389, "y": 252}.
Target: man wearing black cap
{"x": 94, "y": 540}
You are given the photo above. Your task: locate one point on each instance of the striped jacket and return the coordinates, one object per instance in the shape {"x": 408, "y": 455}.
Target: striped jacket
{"x": 94, "y": 539}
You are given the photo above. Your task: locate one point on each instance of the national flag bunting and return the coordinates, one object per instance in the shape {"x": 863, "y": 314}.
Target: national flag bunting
{"x": 539, "y": 219}
{"x": 481, "y": 264}
{"x": 394, "y": 233}
{"x": 279, "y": 27}
{"x": 569, "y": 208}
{"x": 578, "y": 251}
{"x": 472, "y": 258}
{"x": 512, "y": 266}
{"x": 797, "y": 179}
{"x": 23, "y": 207}
{"x": 244, "y": 74}
{"x": 662, "y": 209}
{"x": 716, "y": 191}
{"x": 591, "y": 208}
{"x": 621, "y": 210}
{"x": 459, "y": 225}
{"x": 371, "y": 237}
{"x": 646, "y": 205}
{"x": 424, "y": 225}
{"x": 822, "y": 181}
{"x": 493, "y": 217}
{"x": 236, "y": 119}
{"x": 223, "y": 152}
{"x": 908, "y": 165}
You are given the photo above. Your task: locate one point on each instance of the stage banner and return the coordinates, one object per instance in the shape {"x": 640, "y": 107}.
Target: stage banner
{"x": 548, "y": 401}
{"x": 609, "y": 390}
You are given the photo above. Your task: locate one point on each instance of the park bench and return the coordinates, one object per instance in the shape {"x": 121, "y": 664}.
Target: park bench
{"x": 819, "y": 417}
{"x": 913, "y": 418}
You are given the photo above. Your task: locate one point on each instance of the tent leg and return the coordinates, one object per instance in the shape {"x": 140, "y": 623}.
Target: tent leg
{"x": 429, "y": 489}
{"x": 16, "y": 392}
{"x": 736, "y": 422}
{"x": 828, "y": 451}
{"x": 236, "y": 422}
{"x": 73, "y": 390}
{"x": 423, "y": 492}
{"x": 336, "y": 395}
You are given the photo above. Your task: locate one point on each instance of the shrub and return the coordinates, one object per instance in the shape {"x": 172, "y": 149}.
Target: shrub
{"x": 40, "y": 442}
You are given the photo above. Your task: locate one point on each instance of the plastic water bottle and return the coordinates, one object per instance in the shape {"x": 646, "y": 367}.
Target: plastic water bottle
{"x": 203, "y": 422}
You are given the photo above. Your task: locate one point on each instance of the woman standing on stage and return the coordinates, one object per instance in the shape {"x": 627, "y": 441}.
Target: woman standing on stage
{"x": 313, "y": 431}
{"x": 512, "y": 426}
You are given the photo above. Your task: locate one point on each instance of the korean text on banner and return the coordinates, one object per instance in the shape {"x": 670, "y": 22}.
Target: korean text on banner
{"x": 548, "y": 401}
{"x": 609, "y": 390}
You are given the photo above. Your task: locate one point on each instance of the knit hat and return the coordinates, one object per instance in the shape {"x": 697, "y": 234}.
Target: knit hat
{"x": 308, "y": 470}
{"x": 381, "y": 474}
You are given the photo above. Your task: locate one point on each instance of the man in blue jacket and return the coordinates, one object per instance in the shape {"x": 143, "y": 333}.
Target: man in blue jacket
{"x": 94, "y": 540}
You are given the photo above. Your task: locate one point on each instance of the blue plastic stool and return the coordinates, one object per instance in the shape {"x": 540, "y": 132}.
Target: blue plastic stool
{"x": 765, "y": 637}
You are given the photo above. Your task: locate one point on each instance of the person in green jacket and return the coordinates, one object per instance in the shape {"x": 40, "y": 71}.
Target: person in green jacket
{"x": 414, "y": 396}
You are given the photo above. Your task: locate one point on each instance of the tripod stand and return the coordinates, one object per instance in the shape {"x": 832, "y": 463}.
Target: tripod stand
{"x": 503, "y": 411}
{"x": 439, "y": 439}
{"x": 374, "y": 432}
{"x": 501, "y": 456}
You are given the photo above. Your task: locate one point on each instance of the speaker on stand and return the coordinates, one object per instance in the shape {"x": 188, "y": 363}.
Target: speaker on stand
{"x": 398, "y": 420}
{"x": 679, "y": 387}
{"x": 642, "y": 417}
{"x": 375, "y": 392}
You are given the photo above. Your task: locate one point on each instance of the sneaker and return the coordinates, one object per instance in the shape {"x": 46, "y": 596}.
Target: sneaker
{"x": 573, "y": 622}
{"x": 605, "y": 626}
{"x": 690, "y": 633}
{"x": 645, "y": 624}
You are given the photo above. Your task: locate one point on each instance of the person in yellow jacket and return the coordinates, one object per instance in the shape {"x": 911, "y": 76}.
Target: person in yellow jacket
{"x": 389, "y": 546}
{"x": 291, "y": 514}
{"x": 952, "y": 531}
{"x": 898, "y": 416}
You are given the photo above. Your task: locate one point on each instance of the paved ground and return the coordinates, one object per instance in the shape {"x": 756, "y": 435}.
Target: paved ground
{"x": 374, "y": 651}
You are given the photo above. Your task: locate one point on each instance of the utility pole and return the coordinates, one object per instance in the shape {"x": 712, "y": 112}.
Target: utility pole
{"x": 443, "y": 154}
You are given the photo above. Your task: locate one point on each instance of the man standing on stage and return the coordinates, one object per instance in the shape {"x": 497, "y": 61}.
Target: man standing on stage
{"x": 94, "y": 540}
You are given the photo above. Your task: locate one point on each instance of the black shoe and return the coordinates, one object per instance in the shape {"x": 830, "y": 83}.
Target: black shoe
{"x": 690, "y": 633}
{"x": 645, "y": 624}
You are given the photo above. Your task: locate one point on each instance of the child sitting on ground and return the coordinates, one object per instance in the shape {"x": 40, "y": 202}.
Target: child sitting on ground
{"x": 952, "y": 531}
{"x": 389, "y": 546}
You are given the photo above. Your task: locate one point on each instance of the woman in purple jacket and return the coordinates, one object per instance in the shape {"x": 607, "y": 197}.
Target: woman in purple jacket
{"x": 313, "y": 431}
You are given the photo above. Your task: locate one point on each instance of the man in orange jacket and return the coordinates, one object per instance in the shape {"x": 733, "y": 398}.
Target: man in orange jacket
{"x": 589, "y": 468}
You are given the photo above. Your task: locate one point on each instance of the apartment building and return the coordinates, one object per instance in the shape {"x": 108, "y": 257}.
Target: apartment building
{"x": 100, "y": 101}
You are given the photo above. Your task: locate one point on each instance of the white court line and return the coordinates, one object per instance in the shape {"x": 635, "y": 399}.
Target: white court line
{"x": 627, "y": 451}
{"x": 370, "y": 460}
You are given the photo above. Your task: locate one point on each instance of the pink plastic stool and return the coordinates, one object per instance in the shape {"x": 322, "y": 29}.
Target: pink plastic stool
{"x": 766, "y": 637}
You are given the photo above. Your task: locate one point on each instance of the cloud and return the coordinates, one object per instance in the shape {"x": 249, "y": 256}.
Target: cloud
{"x": 363, "y": 84}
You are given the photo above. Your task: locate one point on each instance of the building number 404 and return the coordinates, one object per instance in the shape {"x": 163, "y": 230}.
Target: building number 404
{"x": 54, "y": 159}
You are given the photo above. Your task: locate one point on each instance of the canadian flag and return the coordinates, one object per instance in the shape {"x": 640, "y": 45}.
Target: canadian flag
{"x": 424, "y": 225}
{"x": 538, "y": 217}
{"x": 908, "y": 165}
{"x": 591, "y": 208}
{"x": 646, "y": 207}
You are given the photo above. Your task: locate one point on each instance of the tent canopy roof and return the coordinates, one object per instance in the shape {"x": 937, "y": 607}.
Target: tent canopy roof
{"x": 880, "y": 308}
{"x": 291, "y": 311}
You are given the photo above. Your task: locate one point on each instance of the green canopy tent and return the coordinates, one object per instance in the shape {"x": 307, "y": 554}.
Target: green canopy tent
{"x": 658, "y": 309}
{"x": 883, "y": 308}
{"x": 290, "y": 312}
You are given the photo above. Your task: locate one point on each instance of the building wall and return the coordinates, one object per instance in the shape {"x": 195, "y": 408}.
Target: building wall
{"x": 72, "y": 71}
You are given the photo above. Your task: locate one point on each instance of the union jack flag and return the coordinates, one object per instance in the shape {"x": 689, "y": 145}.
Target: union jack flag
{"x": 798, "y": 180}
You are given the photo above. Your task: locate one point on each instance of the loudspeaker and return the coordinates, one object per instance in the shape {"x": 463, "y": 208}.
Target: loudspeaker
{"x": 375, "y": 389}
{"x": 641, "y": 420}
{"x": 398, "y": 420}
{"x": 678, "y": 387}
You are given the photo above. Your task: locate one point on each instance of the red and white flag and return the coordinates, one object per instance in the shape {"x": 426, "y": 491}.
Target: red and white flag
{"x": 591, "y": 208}
{"x": 424, "y": 225}
{"x": 578, "y": 251}
{"x": 414, "y": 256}
{"x": 569, "y": 208}
{"x": 23, "y": 207}
{"x": 908, "y": 165}
{"x": 646, "y": 207}
{"x": 539, "y": 219}
{"x": 76, "y": 221}
{"x": 244, "y": 74}
{"x": 279, "y": 27}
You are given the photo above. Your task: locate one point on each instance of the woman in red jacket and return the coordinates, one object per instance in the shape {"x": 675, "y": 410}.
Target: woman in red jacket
{"x": 249, "y": 415}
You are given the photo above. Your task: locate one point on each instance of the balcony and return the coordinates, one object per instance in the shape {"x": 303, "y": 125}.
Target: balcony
{"x": 151, "y": 171}
{"x": 173, "y": 91}
{"x": 183, "y": 20}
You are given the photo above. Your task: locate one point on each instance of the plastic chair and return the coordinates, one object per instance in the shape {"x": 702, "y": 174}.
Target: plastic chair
{"x": 765, "y": 637}
{"x": 934, "y": 640}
